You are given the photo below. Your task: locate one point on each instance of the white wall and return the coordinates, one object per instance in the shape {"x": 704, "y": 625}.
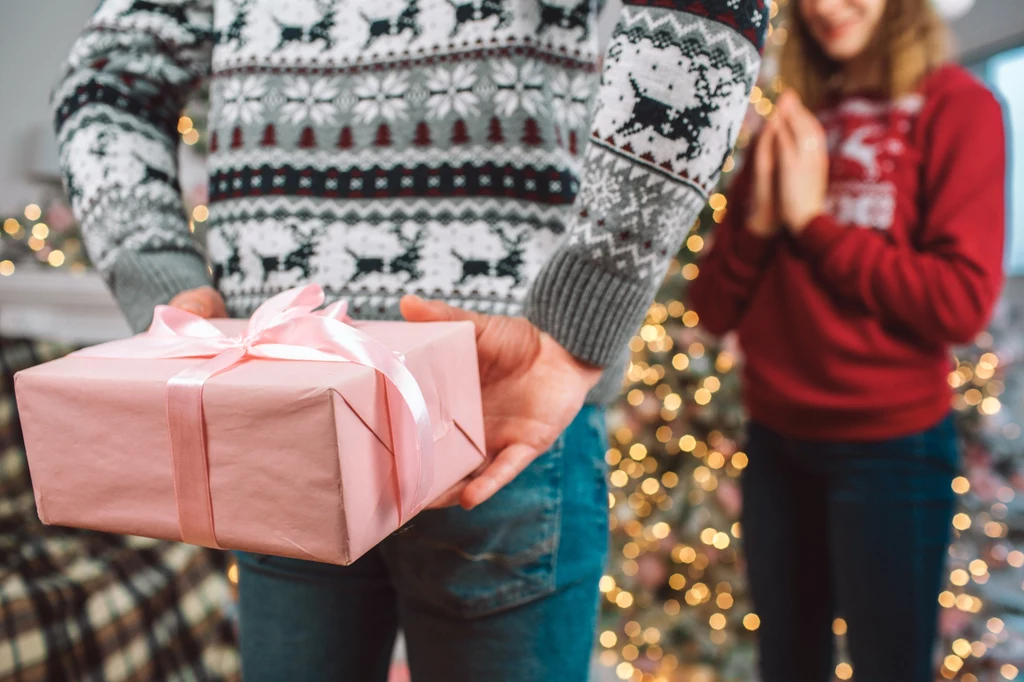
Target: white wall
{"x": 35, "y": 36}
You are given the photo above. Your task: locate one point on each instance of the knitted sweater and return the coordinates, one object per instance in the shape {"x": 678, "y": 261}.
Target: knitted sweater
{"x": 448, "y": 148}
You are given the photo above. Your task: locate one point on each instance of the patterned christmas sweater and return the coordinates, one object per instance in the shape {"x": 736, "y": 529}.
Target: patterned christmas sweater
{"x": 457, "y": 149}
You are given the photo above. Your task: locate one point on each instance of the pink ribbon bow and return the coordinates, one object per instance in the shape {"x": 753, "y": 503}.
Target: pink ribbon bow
{"x": 284, "y": 327}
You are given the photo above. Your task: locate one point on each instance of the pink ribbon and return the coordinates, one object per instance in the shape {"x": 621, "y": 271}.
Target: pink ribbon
{"x": 285, "y": 327}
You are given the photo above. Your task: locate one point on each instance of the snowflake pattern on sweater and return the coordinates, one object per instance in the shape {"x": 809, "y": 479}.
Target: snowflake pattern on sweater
{"x": 448, "y": 148}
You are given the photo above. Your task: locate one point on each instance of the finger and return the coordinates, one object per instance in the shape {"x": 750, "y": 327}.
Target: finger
{"x": 509, "y": 463}
{"x": 416, "y": 309}
{"x": 764, "y": 155}
{"x": 450, "y": 497}
{"x": 785, "y": 142}
{"x": 205, "y": 302}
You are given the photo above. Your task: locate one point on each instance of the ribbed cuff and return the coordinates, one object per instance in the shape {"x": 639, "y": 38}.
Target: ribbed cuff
{"x": 749, "y": 248}
{"x": 141, "y": 281}
{"x": 817, "y": 238}
{"x": 592, "y": 313}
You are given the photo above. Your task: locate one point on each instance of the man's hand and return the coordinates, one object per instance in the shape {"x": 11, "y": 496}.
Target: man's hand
{"x": 532, "y": 389}
{"x": 203, "y": 301}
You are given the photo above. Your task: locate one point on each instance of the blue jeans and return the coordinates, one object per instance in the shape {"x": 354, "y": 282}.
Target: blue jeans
{"x": 508, "y": 591}
{"x": 858, "y": 530}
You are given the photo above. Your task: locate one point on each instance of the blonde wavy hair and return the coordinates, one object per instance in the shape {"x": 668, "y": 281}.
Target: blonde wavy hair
{"x": 910, "y": 41}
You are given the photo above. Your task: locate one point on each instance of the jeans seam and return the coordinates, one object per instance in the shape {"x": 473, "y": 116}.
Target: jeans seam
{"x": 557, "y": 535}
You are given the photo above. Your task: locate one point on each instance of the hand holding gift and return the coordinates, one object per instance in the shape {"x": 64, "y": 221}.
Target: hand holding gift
{"x": 295, "y": 434}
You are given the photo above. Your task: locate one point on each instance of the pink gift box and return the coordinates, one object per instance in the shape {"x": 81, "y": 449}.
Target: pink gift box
{"x": 299, "y": 452}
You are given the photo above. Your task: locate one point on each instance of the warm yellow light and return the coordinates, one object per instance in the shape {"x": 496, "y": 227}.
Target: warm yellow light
{"x": 690, "y": 318}
{"x": 739, "y": 460}
{"x": 631, "y": 550}
{"x": 687, "y": 443}
{"x": 839, "y": 626}
{"x": 661, "y": 530}
{"x": 55, "y": 258}
{"x": 630, "y": 652}
{"x": 12, "y": 226}
{"x": 961, "y": 485}
{"x": 737, "y": 530}
{"x": 635, "y": 397}
{"x": 690, "y": 271}
{"x": 677, "y": 581}
{"x": 650, "y": 486}
{"x": 1009, "y": 671}
{"x": 959, "y": 577}
{"x": 652, "y": 635}
{"x": 844, "y": 671}
{"x": 40, "y": 230}
{"x": 717, "y": 201}
{"x": 990, "y": 405}
{"x": 995, "y": 625}
{"x": 716, "y": 460}
{"x": 608, "y": 639}
{"x": 191, "y": 137}
{"x": 184, "y": 124}
{"x": 624, "y": 600}
{"x": 707, "y": 536}
{"x": 702, "y": 396}
{"x": 200, "y": 213}
{"x": 961, "y": 521}
{"x": 607, "y": 583}
{"x": 612, "y": 456}
{"x": 973, "y": 396}
{"x": 35, "y": 243}
{"x": 962, "y": 648}
{"x": 720, "y": 541}
{"x": 673, "y": 401}
{"x": 947, "y": 599}
{"x": 724, "y": 601}
{"x": 233, "y": 573}
{"x": 672, "y": 607}
{"x": 978, "y": 649}
{"x": 1015, "y": 558}
{"x": 694, "y": 243}
{"x": 619, "y": 478}
{"x": 712, "y": 384}
{"x": 632, "y": 628}
{"x": 717, "y": 621}
{"x": 6, "y": 268}
{"x": 994, "y": 529}
{"x": 637, "y": 451}
{"x": 755, "y": 94}
{"x": 978, "y": 567}
{"x": 624, "y": 670}
{"x": 32, "y": 212}
{"x": 954, "y": 663}
{"x": 751, "y": 621}
{"x": 670, "y": 479}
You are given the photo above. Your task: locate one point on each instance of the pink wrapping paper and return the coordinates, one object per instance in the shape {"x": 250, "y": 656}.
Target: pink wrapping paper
{"x": 299, "y": 452}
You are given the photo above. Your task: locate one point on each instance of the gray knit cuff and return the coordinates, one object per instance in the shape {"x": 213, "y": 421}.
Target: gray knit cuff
{"x": 142, "y": 280}
{"x": 591, "y": 312}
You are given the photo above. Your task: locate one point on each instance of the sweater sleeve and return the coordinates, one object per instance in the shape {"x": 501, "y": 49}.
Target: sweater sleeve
{"x": 675, "y": 87}
{"x": 942, "y": 289}
{"x": 116, "y": 108}
{"x": 731, "y": 270}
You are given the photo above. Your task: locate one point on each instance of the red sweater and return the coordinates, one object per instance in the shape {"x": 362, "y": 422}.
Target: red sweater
{"x": 847, "y": 328}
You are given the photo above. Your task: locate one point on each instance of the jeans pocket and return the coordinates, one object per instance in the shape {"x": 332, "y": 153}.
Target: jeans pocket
{"x": 497, "y": 556}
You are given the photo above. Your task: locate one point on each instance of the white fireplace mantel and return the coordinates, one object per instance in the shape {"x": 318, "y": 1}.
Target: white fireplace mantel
{"x": 59, "y": 306}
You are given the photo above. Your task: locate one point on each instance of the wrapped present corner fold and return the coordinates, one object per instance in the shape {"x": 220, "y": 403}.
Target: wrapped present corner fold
{"x": 297, "y": 434}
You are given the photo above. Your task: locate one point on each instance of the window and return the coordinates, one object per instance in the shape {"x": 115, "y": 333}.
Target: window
{"x": 1004, "y": 73}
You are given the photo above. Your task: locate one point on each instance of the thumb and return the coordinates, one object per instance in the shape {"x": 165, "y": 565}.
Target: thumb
{"x": 416, "y": 309}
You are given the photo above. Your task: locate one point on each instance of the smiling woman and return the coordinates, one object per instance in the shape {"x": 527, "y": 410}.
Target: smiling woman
{"x": 863, "y": 239}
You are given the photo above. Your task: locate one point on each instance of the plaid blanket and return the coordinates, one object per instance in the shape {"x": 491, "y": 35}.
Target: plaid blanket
{"x": 83, "y": 606}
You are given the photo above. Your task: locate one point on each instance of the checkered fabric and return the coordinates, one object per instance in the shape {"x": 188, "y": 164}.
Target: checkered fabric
{"x": 82, "y": 606}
